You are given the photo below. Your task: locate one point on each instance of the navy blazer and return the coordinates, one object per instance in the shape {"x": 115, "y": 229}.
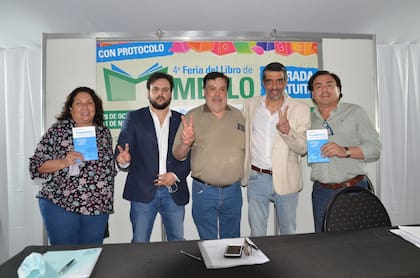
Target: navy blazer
{"x": 138, "y": 131}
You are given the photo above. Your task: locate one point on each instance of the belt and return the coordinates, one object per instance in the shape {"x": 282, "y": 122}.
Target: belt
{"x": 265, "y": 171}
{"x": 347, "y": 183}
{"x": 206, "y": 183}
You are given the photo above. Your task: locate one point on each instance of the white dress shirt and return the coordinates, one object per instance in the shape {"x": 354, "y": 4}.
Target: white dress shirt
{"x": 263, "y": 134}
{"x": 162, "y": 137}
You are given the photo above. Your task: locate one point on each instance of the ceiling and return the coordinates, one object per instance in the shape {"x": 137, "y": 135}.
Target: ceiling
{"x": 22, "y": 22}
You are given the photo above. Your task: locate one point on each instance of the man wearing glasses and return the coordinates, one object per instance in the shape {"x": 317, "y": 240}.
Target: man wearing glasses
{"x": 156, "y": 181}
{"x": 353, "y": 141}
{"x": 276, "y": 128}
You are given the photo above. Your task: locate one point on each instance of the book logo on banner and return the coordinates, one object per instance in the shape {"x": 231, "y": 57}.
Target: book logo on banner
{"x": 121, "y": 86}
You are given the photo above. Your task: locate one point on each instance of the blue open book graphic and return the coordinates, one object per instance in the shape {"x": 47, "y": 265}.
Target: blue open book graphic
{"x": 121, "y": 85}
{"x": 155, "y": 67}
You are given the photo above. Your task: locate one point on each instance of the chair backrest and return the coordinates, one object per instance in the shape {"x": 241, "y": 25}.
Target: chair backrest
{"x": 355, "y": 208}
{"x": 370, "y": 185}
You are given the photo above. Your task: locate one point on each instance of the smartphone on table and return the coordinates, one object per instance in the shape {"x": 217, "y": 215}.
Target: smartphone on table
{"x": 233, "y": 251}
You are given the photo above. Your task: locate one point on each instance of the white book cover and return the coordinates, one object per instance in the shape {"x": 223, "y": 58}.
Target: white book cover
{"x": 84, "y": 141}
{"x": 316, "y": 138}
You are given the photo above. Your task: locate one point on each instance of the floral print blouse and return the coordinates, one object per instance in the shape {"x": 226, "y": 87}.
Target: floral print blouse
{"x": 91, "y": 192}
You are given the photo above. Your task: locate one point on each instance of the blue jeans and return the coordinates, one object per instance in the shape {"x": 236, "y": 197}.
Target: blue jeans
{"x": 216, "y": 211}
{"x": 143, "y": 215}
{"x": 260, "y": 193}
{"x": 69, "y": 228}
{"x": 321, "y": 197}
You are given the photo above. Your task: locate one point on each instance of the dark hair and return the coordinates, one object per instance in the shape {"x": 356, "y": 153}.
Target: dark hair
{"x": 160, "y": 75}
{"x": 213, "y": 75}
{"x": 98, "y": 119}
{"x": 324, "y": 72}
{"x": 275, "y": 66}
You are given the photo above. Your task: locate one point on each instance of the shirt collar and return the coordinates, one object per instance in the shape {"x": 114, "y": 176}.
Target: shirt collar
{"x": 167, "y": 115}
{"x": 337, "y": 108}
{"x": 207, "y": 109}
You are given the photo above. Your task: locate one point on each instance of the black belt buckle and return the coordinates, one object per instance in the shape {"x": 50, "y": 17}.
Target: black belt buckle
{"x": 200, "y": 181}
{"x": 206, "y": 183}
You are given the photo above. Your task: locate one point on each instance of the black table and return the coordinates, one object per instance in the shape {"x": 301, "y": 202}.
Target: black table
{"x": 365, "y": 253}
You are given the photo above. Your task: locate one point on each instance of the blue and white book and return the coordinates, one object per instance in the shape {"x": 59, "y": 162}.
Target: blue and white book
{"x": 84, "y": 141}
{"x": 316, "y": 138}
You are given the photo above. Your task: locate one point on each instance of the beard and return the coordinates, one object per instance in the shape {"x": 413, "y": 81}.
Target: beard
{"x": 274, "y": 96}
{"x": 160, "y": 106}
{"x": 216, "y": 104}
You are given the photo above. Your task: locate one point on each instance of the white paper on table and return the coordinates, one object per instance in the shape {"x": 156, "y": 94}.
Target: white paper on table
{"x": 409, "y": 233}
{"x": 213, "y": 254}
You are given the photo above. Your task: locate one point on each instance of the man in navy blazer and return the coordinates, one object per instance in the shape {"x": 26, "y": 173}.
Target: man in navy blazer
{"x": 156, "y": 181}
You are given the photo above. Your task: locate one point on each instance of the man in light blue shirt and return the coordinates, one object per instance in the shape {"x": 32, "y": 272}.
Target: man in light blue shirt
{"x": 353, "y": 141}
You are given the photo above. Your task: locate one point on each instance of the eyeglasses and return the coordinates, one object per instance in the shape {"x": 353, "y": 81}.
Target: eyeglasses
{"x": 248, "y": 246}
{"x": 326, "y": 125}
{"x": 247, "y": 249}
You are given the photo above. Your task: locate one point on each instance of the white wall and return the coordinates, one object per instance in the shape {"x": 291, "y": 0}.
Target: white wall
{"x": 4, "y": 209}
{"x": 70, "y": 62}
{"x": 358, "y": 77}
{"x": 20, "y": 106}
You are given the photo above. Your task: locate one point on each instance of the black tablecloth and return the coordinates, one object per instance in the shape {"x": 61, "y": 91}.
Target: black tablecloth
{"x": 365, "y": 253}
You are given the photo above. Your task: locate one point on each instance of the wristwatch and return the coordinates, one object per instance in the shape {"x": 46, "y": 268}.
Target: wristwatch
{"x": 348, "y": 152}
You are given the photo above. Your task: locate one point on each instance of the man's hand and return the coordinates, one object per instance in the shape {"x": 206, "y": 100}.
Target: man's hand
{"x": 123, "y": 156}
{"x": 166, "y": 179}
{"x": 331, "y": 149}
{"x": 188, "y": 134}
{"x": 283, "y": 124}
